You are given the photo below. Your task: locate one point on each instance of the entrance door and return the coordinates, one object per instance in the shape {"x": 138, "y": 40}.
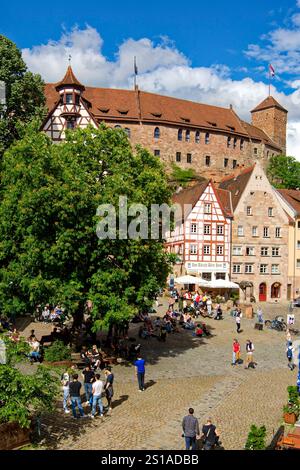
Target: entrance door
{"x": 275, "y": 290}
{"x": 263, "y": 292}
{"x": 289, "y": 291}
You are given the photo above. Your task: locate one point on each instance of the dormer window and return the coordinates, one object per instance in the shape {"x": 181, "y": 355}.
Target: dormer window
{"x": 123, "y": 111}
{"x": 104, "y": 110}
{"x": 158, "y": 115}
{"x": 69, "y": 98}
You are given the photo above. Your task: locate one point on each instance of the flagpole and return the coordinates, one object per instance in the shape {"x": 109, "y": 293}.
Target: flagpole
{"x": 269, "y": 81}
{"x": 134, "y": 66}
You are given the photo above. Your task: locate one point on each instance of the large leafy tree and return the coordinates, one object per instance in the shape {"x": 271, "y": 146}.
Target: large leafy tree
{"x": 25, "y": 98}
{"x": 49, "y": 250}
{"x": 284, "y": 172}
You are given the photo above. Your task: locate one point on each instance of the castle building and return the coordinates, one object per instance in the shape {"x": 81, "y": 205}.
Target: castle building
{"x": 212, "y": 140}
{"x": 260, "y": 237}
{"x": 201, "y": 240}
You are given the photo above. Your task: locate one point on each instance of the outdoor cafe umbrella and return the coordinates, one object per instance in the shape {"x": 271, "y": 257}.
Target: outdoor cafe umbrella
{"x": 223, "y": 284}
{"x": 188, "y": 279}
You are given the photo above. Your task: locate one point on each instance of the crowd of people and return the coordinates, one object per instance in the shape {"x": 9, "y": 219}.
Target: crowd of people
{"x": 94, "y": 389}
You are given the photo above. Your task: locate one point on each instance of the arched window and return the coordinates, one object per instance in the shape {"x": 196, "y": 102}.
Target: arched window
{"x": 228, "y": 141}
{"x": 234, "y": 142}
{"x": 118, "y": 127}
{"x": 180, "y": 134}
{"x": 197, "y": 137}
{"x": 242, "y": 144}
{"x": 127, "y": 130}
{"x": 207, "y": 138}
{"x": 156, "y": 133}
{"x": 187, "y": 136}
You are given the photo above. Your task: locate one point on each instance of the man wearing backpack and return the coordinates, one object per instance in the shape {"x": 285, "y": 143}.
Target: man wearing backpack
{"x": 289, "y": 354}
{"x": 210, "y": 435}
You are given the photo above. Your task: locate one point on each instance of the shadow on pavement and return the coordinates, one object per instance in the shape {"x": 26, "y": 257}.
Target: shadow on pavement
{"x": 119, "y": 402}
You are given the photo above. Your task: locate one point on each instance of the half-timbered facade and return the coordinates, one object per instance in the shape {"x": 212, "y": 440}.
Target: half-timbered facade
{"x": 202, "y": 240}
{"x": 71, "y": 109}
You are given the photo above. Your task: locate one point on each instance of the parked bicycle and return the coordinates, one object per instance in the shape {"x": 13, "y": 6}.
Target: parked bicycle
{"x": 277, "y": 324}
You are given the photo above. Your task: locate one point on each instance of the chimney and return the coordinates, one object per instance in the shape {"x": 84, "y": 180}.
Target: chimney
{"x": 230, "y": 106}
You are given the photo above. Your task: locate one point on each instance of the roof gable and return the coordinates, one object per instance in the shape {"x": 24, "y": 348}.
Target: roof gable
{"x": 236, "y": 185}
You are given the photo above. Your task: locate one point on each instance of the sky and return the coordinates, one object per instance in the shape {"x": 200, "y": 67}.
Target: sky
{"x": 212, "y": 52}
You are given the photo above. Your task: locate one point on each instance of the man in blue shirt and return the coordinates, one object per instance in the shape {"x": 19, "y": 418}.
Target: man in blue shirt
{"x": 140, "y": 372}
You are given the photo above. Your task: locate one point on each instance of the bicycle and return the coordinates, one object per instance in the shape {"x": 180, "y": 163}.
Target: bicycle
{"x": 276, "y": 324}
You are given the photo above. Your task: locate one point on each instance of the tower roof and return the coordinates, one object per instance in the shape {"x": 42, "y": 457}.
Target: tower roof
{"x": 269, "y": 102}
{"x": 69, "y": 79}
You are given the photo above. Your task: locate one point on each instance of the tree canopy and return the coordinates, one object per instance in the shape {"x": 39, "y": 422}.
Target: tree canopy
{"x": 25, "y": 98}
{"x": 284, "y": 172}
{"x": 49, "y": 250}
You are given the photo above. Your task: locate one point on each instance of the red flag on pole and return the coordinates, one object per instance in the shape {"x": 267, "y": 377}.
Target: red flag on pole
{"x": 271, "y": 70}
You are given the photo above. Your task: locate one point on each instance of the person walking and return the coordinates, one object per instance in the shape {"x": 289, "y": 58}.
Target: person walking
{"x": 88, "y": 375}
{"x": 75, "y": 387}
{"x": 210, "y": 435}
{"x": 109, "y": 390}
{"x": 140, "y": 372}
{"x": 290, "y": 356}
{"x": 208, "y": 305}
{"x": 236, "y": 348}
{"x": 190, "y": 426}
{"x": 260, "y": 315}
{"x": 65, "y": 381}
{"x": 97, "y": 388}
{"x": 238, "y": 320}
{"x": 249, "y": 352}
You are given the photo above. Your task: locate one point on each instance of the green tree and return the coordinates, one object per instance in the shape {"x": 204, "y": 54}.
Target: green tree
{"x": 49, "y": 251}
{"x": 284, "y": 172}
{"x": 22, "y": 396}
{"x": 256, "y": 438}
{"x": 25, "y": 98}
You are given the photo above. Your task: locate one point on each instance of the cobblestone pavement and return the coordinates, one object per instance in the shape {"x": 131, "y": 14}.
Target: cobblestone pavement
{"x": 184, "y": 372}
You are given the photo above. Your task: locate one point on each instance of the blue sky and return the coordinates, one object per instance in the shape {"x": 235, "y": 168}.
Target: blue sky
{"x": 215, "y": 52}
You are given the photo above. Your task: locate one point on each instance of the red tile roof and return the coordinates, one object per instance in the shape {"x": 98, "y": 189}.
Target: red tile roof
{"x": 69, "y": 79}
{"x": 236, "y": 184}
{"x": 190, "y": 196}
{"x": 134, "y": 105}
{"x": 269, "y": 102}
{"x": 292, "y": 197}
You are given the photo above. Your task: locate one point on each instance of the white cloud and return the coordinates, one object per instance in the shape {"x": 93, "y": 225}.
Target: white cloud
{"x": 162, "y": 69}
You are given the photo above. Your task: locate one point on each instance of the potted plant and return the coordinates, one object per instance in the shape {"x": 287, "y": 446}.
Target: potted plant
{"x": 292, "y": 409}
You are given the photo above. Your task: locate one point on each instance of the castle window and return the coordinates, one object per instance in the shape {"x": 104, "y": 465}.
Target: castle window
{"x": 180, "y": 134}
{"x": 69, "y": 98}
{"x": 189, "y": 158}
{"x": 187, "y": 136}
{"x": 234, "y": 163}
{"x": 207, "y": 160}
{"x": 234, "y": 142}
{"x": 242, "y": 144}
{"x": 228, "y": 142}
{"x": 207, "y": 138}
{"x": 255, "y": 151}
{"x": 226, "y": 162}
{"x": 178, "y": 156}
{"x": 157, "y": 153}
{"x": 127, "y": 130}
{"x": 156, "y": 133}
{"x": 197, "y": 137}
{"x": 268, "y": 154}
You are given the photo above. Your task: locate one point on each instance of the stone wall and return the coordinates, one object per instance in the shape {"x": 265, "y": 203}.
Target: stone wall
{"x": 168, "y": 146}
